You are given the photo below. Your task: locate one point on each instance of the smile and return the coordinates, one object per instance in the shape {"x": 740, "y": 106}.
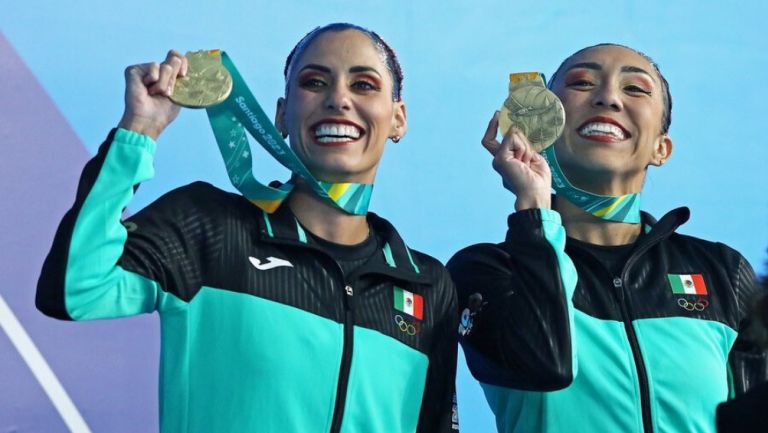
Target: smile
{"x": 603, "y": 129}
{"x": 335, "y": 133}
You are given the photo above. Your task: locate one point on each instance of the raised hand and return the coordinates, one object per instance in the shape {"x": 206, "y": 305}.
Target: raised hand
{"x": 148, "y": 86}
{"x": 523, "y": 171}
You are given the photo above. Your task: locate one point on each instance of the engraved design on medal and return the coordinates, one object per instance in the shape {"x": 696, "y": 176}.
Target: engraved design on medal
{"x": 207, "y": 81}
{"x": 533, "y": 109}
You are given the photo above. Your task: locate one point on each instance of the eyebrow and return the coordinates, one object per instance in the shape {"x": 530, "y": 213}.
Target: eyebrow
{"x": 635, "y": 69}
{"x": 359, "y": 69}
{"x": 586, "y": 65}
{"x": 327, "y": 70}
{"x": 316, "y": 67}
{"x": 598, "y": 67}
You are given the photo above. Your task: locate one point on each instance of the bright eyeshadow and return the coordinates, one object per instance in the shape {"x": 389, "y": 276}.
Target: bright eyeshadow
{"x": 307, "y": 75}
{"x": 576, "y": 75}
{"x": 641, "y": 82}
{"x": 369, "y": 78}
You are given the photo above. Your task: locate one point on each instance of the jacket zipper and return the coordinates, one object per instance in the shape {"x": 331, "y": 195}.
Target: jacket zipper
{"x": 346, "y": 360}
{"x": 642, "y": 374}
{"x": 348, "y": 344}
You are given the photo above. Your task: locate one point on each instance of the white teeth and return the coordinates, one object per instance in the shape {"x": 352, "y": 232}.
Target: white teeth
{"x": 335, "y": 131}
{"x": 333, "y": 139}
{"x": 602, "y": 129}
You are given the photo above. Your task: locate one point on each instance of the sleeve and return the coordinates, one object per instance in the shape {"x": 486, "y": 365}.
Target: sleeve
{"x": 744, "y": 414}
{"x": 439, "y": 412}
{"x": 517, "y": 312}
{"x": 83, "y": 276}
{"x": 748, "y": 361}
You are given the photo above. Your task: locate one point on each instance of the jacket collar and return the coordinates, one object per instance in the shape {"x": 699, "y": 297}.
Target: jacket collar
{"x": 655, "y": 231}
{"x": 394, "y": 258}
{"x": 667, "y": 224}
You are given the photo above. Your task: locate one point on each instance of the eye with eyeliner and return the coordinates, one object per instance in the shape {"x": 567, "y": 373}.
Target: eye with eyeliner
{"x": 636, "y": 89}
{"x": 638, "y": 86}
{"x": 366, "y": 83}
{"x": 578, "y": 80}
{"x": 311, "y": 80}
{"x": 579, "y": 83}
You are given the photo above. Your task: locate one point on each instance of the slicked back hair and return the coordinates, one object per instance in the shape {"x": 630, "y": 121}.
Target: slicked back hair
{"x": 386, "y": 52}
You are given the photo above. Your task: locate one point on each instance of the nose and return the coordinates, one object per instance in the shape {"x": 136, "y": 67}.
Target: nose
{"x": 608, "y": 95}
{"x": 337, "y": 98}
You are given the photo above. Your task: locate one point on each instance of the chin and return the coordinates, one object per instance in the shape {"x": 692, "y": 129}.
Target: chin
{"x": 339, "y": 174}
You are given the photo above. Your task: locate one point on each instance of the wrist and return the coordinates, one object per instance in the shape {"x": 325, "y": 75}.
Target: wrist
{"x": 533, "y": 202}
{"x": 140, "y": 126}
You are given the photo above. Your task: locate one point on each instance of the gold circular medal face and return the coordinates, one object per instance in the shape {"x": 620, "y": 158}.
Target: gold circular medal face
{"x": 207, "y": 81}
{"x": 537, "y": 112}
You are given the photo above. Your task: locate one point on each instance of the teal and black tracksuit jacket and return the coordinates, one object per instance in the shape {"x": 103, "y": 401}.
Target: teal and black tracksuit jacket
{"x": 560, "y": 344}
{"x": 261, "y": 330}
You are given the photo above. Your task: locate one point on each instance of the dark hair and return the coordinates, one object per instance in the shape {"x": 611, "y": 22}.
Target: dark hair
{"x": 387, "y": 53}
{"x": 666, "y": 118}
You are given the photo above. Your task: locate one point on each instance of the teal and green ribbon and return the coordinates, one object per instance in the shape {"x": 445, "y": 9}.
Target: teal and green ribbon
{"x": 239, "y": 113}
{"x": 623, "y": 208}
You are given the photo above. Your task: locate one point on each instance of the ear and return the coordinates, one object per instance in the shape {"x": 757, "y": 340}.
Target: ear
{"x": 399, "y": 121}
{"x": 280, "y": 117}
{"x": 662, "y": 151}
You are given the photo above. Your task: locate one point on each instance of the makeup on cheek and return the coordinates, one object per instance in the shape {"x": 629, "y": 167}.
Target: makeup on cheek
{"x": 241, "y": 114}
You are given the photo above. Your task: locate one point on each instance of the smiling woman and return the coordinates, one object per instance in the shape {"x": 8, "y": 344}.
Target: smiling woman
{"x": 615, "y": 142}
{"x": 301, "y": 319}
{"x": 591, "y": 297}
{"x": 342, "y": 103}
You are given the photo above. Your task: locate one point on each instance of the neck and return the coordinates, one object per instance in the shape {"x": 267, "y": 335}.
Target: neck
{"x": 591, "y": 229}
{"x": 603, "y": 183}
{"x": 325, "y": 220}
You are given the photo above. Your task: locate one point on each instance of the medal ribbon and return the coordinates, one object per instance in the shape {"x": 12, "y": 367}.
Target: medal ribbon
{"x": 516, "y": 78}
{"x": 622, "y": 208}
{"x": 239, "y": 113}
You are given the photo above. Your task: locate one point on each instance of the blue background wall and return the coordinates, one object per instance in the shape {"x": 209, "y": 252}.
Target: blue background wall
{"x": 61, "y": 85}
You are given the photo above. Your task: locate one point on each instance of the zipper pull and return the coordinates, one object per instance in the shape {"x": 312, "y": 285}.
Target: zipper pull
{"x": 619, "y": 284}
{"x": 349, "y": 291}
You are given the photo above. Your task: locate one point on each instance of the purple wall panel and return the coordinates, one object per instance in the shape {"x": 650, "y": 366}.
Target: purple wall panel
{"x": 109, "y": 368}
{"x": 24, "y": 407}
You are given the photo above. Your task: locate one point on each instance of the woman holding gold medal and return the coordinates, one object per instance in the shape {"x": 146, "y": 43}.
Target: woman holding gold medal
{"x": 592, "y": 316}
{"x": 285, "y": 309}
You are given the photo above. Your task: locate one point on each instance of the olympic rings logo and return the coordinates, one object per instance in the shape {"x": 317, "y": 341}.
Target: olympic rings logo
{"x": 405, "y": 326}
{"x": 699, "y": 305}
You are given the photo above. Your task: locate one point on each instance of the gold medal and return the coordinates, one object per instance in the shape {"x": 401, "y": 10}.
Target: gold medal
{"x": 533, "y": 109}
{"x": 207, "y": 81}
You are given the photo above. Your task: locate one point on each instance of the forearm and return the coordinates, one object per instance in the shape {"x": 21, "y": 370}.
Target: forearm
{"x": 80, "y": 278}
{"x": 521, "y": 334}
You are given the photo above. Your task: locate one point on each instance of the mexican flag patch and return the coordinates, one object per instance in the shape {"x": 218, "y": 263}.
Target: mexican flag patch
{"x": 688, "y": 284}
{"x": 409, "y": 303}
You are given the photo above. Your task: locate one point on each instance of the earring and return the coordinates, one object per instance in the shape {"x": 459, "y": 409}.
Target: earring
{"x": 284, "y": 134}
{"x": 395, "y": 139}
